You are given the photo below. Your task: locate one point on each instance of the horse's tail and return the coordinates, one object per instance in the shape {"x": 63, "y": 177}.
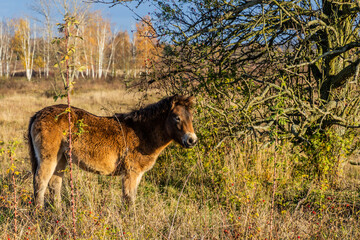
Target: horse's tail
{"x": 34, "y": 163}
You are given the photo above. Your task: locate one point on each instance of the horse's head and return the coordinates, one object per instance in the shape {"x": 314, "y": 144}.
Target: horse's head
{"x": 179, "y": 121}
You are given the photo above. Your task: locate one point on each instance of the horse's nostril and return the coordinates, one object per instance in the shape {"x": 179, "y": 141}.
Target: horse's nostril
{"x": 191, "y": 141}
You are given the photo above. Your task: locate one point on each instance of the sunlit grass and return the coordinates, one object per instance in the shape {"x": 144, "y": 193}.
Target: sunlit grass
{"x": 223, "y": 193}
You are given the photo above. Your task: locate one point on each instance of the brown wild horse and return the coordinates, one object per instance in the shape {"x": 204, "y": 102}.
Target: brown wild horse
{"x": 124, "y": 144}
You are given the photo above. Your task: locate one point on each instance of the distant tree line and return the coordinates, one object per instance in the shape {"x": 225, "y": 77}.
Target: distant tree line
{"x": 27, "y": 48}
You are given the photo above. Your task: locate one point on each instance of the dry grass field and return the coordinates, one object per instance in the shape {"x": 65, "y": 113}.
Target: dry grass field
{"x": 202, "y": 193}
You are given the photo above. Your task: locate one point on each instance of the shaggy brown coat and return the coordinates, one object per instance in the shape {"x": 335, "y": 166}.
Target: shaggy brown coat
{"x": 123, "y": 144}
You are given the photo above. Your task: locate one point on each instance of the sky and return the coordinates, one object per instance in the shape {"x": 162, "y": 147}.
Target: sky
{"x": 120, "y": 16}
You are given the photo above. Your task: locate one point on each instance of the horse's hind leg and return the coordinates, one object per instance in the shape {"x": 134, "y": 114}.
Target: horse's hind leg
{"x": 45, "y": 170}
{"x": 48, "y": 157}
{"x": 56, "y": 181}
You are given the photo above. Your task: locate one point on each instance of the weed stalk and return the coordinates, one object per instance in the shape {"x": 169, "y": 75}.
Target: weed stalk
{"x": 15, "y": 197}
{"x": 274, "y": 188}
{"x": 67, "y": 35}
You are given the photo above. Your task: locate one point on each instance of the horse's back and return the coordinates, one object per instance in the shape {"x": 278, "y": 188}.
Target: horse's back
{"x": 56, "y": 116}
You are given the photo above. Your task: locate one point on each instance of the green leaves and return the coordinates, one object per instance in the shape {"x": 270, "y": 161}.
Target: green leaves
{"x": 11, "y": 147}
{"x": 80, "y": 125}
{"x": 61, "y": 96}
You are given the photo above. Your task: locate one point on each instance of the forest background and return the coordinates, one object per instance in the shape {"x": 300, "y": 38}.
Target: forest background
{"x": 277, "y": 117}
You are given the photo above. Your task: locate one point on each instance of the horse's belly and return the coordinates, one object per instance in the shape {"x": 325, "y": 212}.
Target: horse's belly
{"x": 94, "y": 161}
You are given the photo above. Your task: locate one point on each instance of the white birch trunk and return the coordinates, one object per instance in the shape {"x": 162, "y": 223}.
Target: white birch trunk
{"x": 8, "y": 62}
{"x": 14, "y": 70}
{"x": 134, "y": 57}
{"x": 86, "y": 63}
{"x": 101, "y": 37}
{"x": 28, "y": 48}
{"x": 113, "y": 45}
{"x": 2, "y": 47}
{"x": 8, "y": 52}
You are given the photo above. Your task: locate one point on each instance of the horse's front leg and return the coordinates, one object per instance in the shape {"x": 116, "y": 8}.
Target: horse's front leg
{"x": 131, "y": 182}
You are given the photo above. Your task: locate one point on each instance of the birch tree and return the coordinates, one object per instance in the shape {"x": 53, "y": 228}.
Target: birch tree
{"x": 95, "y": 41}
{"x": 46, "y": 8}
{"x": 77, "y": 8}
{"x": 24, "y": 42}
{"x": 6, "y": 52}
{"x": 102, "y": 33}
{"x": 114, "y": 41}
{"x": 3, "y": 41}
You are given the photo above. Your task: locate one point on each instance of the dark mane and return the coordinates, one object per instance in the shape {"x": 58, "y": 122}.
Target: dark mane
{"x": 148, "y": 113}
{"x": 155, "y": 110}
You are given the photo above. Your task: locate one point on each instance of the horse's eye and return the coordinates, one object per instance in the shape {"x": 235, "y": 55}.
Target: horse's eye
{"x": 177, "y": 119}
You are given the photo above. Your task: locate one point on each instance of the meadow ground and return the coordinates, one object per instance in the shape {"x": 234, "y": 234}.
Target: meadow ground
{"x": 202, "y": 193}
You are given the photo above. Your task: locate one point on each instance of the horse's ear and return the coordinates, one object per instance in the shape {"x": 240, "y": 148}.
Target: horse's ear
{"x": 174, "y": 100}
{"x": 188, "y": 102}
{"x": 191, "y": 101}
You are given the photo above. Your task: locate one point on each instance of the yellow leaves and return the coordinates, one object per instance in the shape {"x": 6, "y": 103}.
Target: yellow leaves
{"x": 146, "y": 45}
{"x": 70, "y": 51}
{"x": 21, "y": 33}
{"x": 12, "y": 170}
{"x": 2, "y": 151}
{"x": 25, "y": 195}
{"x": 81, "y": 68}
{"x": 39, "y": 62}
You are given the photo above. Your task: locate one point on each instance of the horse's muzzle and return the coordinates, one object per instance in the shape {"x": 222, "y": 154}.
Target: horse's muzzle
{"x": 189, "y": 140}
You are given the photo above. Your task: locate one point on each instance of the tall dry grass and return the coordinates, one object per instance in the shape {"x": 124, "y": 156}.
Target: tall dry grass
{"x": 203, "y": 193}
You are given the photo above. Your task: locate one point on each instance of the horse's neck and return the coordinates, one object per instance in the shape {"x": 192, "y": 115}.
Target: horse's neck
{"x": 154, "y": 135}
